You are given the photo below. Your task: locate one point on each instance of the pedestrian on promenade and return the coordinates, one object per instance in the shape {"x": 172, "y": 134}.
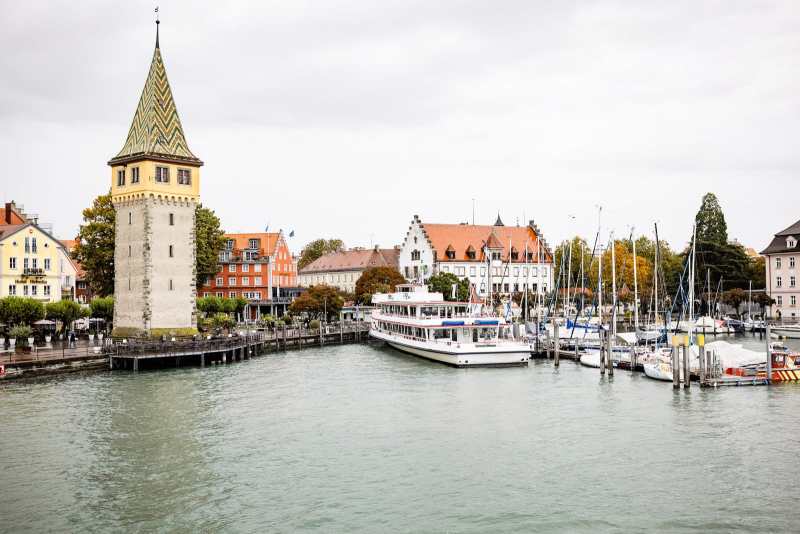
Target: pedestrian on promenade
{"x": 72, "y": 340}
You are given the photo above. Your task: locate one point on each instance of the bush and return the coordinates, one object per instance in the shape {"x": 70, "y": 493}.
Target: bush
{"x": 222, "y": 320}
{"x": 314, "y": 325}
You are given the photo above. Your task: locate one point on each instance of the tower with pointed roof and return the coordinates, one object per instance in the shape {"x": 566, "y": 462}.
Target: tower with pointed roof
{"x": 155, "y": 188}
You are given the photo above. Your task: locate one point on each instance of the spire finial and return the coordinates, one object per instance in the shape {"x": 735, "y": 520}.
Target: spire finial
{"x": 157, "y": 23}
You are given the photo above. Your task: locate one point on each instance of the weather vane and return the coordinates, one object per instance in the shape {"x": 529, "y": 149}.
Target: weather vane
{"x": 157, "y": 21}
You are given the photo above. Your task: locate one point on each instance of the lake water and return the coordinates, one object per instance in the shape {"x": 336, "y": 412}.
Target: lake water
{"x": 365, "y": 439}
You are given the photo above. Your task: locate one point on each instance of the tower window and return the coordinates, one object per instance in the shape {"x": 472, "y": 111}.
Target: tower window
{"x": 129, "y": 251}
{"x": 184, "y": 176}
{"x": 172, "y": 219}
{"x": 135, "y": 175}
{"x": 162, "y": 174}
{"x": 121, "y": 177}
{"x": 170, "y": 251}
{"x": 130, "y": 218}
{"x": 170, "y": 284}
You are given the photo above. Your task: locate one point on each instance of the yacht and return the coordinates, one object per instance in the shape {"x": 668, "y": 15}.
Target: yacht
{"x": 460, "y": 334}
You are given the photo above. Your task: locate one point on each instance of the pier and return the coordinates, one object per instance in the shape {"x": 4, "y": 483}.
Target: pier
{"x": 138, "y": 355}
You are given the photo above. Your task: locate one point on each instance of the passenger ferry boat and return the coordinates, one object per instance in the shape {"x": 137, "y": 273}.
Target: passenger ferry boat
{"x": 421, "y": 323}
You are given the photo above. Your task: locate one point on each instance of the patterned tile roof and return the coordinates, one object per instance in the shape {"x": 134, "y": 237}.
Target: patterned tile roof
{"x": 156, "y": 129}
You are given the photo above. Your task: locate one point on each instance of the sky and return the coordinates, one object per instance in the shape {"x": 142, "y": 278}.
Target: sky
{"x": 347, "y": 118}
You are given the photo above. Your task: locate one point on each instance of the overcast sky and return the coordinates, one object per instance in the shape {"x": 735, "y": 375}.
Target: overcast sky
{"x": 346, "y": 118}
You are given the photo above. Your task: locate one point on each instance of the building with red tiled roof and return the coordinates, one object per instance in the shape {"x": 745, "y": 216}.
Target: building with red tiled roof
{"x": 258, "y": 267}
{"x": 505, "y": 259}
{"x": 343, "y": 269}
{"x": 83, "y": 292}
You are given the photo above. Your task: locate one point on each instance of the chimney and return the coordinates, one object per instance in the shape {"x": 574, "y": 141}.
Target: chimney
{"x": 7, "y": 212}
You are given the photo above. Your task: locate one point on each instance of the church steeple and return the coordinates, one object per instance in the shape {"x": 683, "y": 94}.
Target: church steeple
{"x": 156, "y": 131}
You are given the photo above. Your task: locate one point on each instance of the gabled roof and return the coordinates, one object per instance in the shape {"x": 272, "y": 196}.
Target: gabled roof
{"x": 354, "y": 260}
{"x": 156, "y": 129}
{"x": 466, "y": 237}
{"x": 7, "y": 230}
{"x": 778, "y": 243}
{"x": 269, "y": 241}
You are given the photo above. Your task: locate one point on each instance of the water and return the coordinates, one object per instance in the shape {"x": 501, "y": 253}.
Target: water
{"x": 365, "y": 439}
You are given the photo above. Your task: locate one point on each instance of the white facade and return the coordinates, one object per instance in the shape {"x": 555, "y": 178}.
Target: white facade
{"x": 783, "y": 284}
{"x": 418, "y": 263}
{"x": 342, "y": 280}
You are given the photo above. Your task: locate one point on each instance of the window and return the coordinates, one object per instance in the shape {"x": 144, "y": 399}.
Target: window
{"x": 12, "y": 263}
{"x": 446, "y": 268}
{"x": 257, "y": 281}
{"x": 778, "y": 281}
{"x": 245, "y": 280}
{"x": 253, "y": 243}
{"x": 232, "y": 294}
{"x": 791, "y": 262}
{"x": 170, "y": 284}
{"x": 514, "y": 254}
{"x": 471, "y": 253}
{"x": 231, "y": 280}
{"x": 460, "y": 271}
{"x": 220, "y": 281}
{"x": 257, "y": 267}
{"x": 231, "y": 267}
{"x": 33, "y": 245}
{"x": 472, "y": 271}
{"x": 415, "y": 255}
{"x": 171, "y": 255}
{"x": 524, "y": 271}
{"x": 516, "y": 271}
{"x": 257, "y": 295}
{"x": 129, "y": 251}
{"x": 12, "y": 289}
{"x": 792, "y": 281}
{"x": 26, "y": 263}
{"x": 229, "y": 244}
{"x": 47, "y": 291}
{"x": 777, "y": 263}
{"x": 245, "y": 268}
{"x": 130, "y": 218}
{"x": 495, "y": 255}
{"x": 34, "y": 290}
{"x": 792, "y": 301}
{"x": 220, "y": 294}
{"x": 791, "y": 242}
{"x": 25, "y": 290}
{"x": 778, "y": 299}
{"x": 35, "y": 263}
{"x": 162, "y": 175}
{"x": 483, "y": 271}
{"x": 121, "y": 177}
{"x": 184, "y": 176}
{"x": 27, "y": 244}
{"x": 172, "y": 219}
{"x": 451, "y": 254}
{"x": 135, "y": 175}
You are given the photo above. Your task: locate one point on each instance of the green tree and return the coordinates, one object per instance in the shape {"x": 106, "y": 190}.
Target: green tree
{"x": 209, "y": 305}
{"x": 102, "y": 308}
{"x": 20, "y": 311}
{"x": 94, "y": 248}
{"x": 318, "y": 248}
{"x": 734, "y": 298}
{"x": 377, "y": 280}
{"x": 443, "y": 283}
{"x": 210, "y": 240}
{"x": 317, "y": 301}
{"x": 64, "y": 311}
{"x": 710, "y": 221}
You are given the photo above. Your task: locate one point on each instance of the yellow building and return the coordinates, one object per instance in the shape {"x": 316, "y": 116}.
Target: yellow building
{"x": 32, "y": 262}
{"x": 155, "y": 187}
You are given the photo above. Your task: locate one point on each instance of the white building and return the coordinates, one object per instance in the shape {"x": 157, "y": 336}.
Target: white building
{"x": 782, "y": 256}
{"x": 503, "y": 259}
{"x": 343, "y": 269}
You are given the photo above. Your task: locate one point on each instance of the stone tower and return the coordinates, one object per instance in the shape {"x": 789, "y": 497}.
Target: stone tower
{"x": 155, "y": 187}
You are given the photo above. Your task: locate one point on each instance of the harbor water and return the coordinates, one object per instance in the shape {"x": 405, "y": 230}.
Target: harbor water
{"x": 361, "y": 438}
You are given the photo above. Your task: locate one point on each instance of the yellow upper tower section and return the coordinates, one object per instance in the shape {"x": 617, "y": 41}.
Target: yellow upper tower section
{"x": 156, "y": 158}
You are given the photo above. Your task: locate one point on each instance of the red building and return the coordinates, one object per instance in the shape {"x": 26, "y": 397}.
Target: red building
{"x": 258, "y": 267}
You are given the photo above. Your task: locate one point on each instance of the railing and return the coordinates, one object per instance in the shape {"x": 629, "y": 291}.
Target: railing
{"x": 30, "y": 271}
{"x": 179, "y": 346}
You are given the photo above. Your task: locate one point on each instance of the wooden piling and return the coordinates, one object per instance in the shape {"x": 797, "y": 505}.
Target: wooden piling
{"x": 686, "y": 375}
{"x": 768, "y": 335}
{"x": 602, "y": 334}
{"x": 556, "y": 345}
{"x": 676, "y": 368}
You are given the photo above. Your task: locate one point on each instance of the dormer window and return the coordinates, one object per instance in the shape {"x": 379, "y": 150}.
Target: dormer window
{"x": 495, "y": 255}
{"x": 514, "y": 253}
{"x": 791, "y": 242}
{"x": 162, "y": 175}
{"x": 450, "y": 252}
{"x": 471, "y": 252}
{"x": 253, "y": 243}
{"x": 229, "y": 244}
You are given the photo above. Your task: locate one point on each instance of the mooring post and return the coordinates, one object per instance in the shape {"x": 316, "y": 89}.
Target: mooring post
{"x": 602, "y": 334}
{"x": 202, "y": 359}
{"x": 577, "y": 358}
{"x": 110, "y": 362}
{"x": 687, "y": 378}
{"x": 610, "y": 352}
{"x": 341, "y": 331}
{"x": 135, "y": 364}
{"x": 768, "y": 332}
{"x": 556, "y": 345}
{"x": 676, "y": 366}
{"x": 701, "y": 346}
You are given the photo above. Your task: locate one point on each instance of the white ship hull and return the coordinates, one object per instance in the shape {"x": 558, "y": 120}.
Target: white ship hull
{"x": 791, "y": 332}
{"x": 460, "y": 354}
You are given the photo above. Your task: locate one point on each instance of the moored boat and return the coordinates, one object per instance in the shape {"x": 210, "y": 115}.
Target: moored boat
{"x": 460, "y": 334}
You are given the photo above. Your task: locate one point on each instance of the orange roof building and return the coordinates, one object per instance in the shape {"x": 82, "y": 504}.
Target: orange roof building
{"x": 505, "y": 259}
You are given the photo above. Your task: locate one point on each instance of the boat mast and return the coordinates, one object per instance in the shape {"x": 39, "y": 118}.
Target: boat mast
{"x": 655, "y": 275}
{"x": 583, "y": 289}
{"x": 600, "y": 286}
{"x": 635, "y": 290}
{"x": 613, "y": 287}
{"x": 749, "y": 301}
{"x": 525, "y": 314}
{"x": 691, "y": 282}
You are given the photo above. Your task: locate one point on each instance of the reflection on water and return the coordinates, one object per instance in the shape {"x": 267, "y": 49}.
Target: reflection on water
{"x": 363, "y": 438}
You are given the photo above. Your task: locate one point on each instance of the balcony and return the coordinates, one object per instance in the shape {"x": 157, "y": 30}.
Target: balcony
{"x": 30, "y": 271}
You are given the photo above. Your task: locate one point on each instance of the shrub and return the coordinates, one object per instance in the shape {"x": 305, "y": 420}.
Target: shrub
{"x": 314, "y": 325}
{"x": 21, "y": 333}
